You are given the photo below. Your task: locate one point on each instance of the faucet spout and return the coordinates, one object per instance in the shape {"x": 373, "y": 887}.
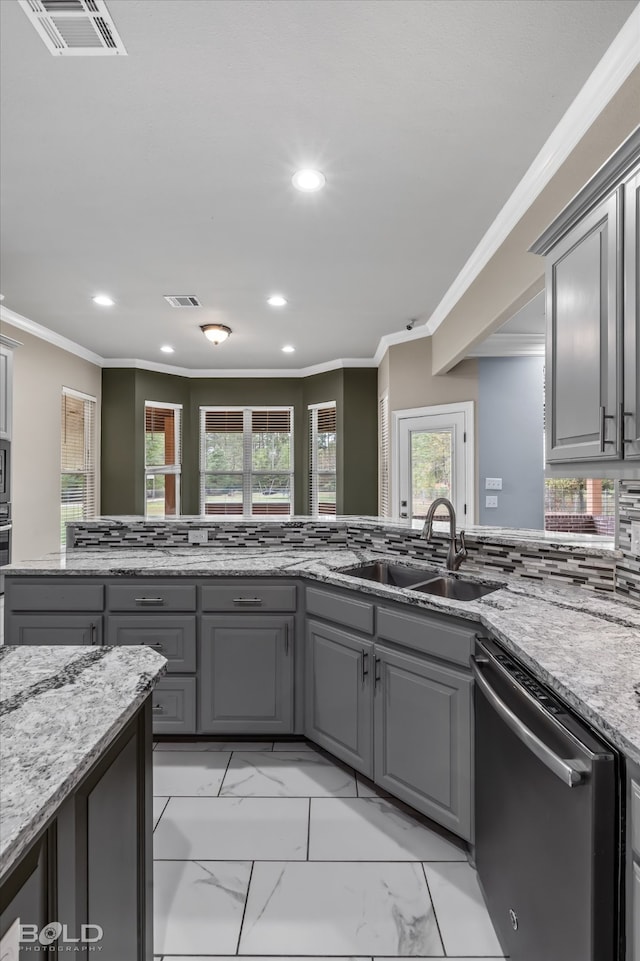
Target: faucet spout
{"x": 455, "y": 556}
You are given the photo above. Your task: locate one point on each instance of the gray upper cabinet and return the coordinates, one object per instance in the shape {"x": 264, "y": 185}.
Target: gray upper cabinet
{"x": 246, "y": 674}
{"x": 583, "y": 328}
{"x": 631, "y": 411}
{"x": 593, "y": 354}
{"x": 423, "y": 751}
{"x": 338, "y": 694}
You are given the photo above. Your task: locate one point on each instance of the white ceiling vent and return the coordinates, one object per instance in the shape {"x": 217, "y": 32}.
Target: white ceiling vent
{"x": 182, "y": 300}
{"x": 75, "y": 28}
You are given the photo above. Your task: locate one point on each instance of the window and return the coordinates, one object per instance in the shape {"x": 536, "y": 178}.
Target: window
{"x": 77, "y": 458}
{"x": 246, "y": 460}
{"x": 322, "y": 458}
{"x": 579, "y": 505}
{"x": 162, "y": 458}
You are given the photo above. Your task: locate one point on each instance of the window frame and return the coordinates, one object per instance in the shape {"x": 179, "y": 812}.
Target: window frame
{"x": 89, "y": 457}
{"x": 174, "y": 469}
{"x": 314, "y": 473}
{"x": 248, "y": 473}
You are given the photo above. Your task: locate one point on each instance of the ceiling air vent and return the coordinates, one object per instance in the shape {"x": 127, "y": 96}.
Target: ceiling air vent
{"x": 75, "y": 28}
{"x": 182, "y": 300}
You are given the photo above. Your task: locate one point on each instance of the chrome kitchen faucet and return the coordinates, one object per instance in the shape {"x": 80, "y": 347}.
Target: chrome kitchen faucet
{"x": 455, "y": 557}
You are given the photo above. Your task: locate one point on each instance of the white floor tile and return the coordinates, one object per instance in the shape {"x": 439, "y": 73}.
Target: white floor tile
{"x": 464, "y": 921}
{"x": 198, "y": 773}
{"x": 286, "y": 774}
{"x": 214, "y": 746}
{"x": 198, "y": 904}
{"x": 297, "y": 746}
{"x": 228, "y": 829}
{"x": 159, "y": 804}
{"x": 367, "y": 788}
{"x": 372, "y": 829}
{"x": 346, "y": 909}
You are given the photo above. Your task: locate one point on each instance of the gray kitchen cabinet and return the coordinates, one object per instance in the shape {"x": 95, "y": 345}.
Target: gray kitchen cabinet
{"x": 173, "y": 705}
{"x": 54, "y": 629}
{"x": 631, "y": 407}
{"x": 338, "y": 694}
{"x": 423, "y": 747}
{"x": 246, "y": 670}
{"x": 6, "y": 391}
{"x": 53, "y": 610}
{"x": 632, "y": 867}
{"x": 24, "y": 896}
{"x": 172, "y": 635}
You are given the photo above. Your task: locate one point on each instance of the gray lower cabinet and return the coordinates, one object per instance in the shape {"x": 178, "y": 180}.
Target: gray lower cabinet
{"x": 24, "y": 896}
{"x": 246, "y": 674}
{"x": 172, "y": 635}
{"x": 174, "y": 705}
{"x": 54, "y": 629}
{"x": 423, "y": 750}
{"x": 338, "y": 694}
{"x": 633, "y": 862}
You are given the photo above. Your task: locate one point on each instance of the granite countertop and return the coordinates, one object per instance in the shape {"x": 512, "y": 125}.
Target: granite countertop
{"x": 584, "y": 646}
{"x": 60, "y": 708}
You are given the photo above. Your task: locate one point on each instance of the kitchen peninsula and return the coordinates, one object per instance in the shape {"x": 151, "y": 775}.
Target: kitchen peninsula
{"x": 75, "y": 798}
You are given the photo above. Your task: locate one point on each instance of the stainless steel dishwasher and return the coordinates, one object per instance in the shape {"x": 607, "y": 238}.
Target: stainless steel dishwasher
{"x": 548, "y": 825}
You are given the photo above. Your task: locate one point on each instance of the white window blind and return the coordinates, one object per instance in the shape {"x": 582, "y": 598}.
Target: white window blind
{"x": 322, "y": 458}
{"x": 162, "y": 458}
{"x": 246, "y": 460}
{"x": 78, "y": 460}
{"x": 383, "y": 457}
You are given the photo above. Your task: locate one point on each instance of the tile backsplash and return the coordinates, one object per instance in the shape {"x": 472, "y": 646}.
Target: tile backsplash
{"x": 628, "y": 568}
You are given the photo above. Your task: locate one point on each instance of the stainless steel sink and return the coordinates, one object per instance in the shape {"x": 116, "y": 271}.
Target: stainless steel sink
{"x": 395, "y": 575}
{"x": 455, "y": 589}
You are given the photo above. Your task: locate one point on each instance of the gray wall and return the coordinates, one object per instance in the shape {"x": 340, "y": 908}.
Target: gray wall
{"x": 510, "y": 426}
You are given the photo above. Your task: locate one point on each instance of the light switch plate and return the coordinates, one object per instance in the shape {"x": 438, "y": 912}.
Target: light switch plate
{"x": 493, "y": 484}
{"x": 198, "y": 537}
{"x": 635, "y": 537}
{"x": 491, "y": 501}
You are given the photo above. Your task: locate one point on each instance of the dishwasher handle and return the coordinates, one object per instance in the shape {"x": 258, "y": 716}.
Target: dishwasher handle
{"x": 567, "y": 773}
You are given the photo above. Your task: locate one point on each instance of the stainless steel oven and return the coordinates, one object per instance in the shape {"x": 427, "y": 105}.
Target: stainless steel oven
{"x": 548, "y": 824}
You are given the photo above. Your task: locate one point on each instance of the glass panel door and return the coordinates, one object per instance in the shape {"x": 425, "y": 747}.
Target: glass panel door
{"x": 432, "y": 470}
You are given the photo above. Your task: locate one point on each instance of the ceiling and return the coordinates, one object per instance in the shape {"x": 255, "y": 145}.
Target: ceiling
{"x": 168, "y": 171}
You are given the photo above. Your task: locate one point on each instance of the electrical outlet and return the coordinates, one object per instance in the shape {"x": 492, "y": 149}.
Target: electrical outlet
{"x": 493, "y": 483}
{"x": 198, "y": 537}
{"x": 635, "y": 538}
{"x": 491, "y": 501}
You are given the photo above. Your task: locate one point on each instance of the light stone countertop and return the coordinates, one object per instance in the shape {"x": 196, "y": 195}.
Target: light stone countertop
{"x": 584, "y": 646}
{"x": 60, "y": 709}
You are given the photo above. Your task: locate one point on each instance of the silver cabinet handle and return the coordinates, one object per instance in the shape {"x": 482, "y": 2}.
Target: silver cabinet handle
{"x": 561, "y": 768}
{"x": 376, "y": 676}
{"x": 604, "y": 417}
{"x": 155, "y": 644}
{"x": 286, "y": 641}
{"x": 248, "y": 601}
{"x": 92, "y": 633}
{"x": 624, "y": 413}
{"x": 149, "y": 601}
{"x": 157, "y": 709}
{"x": 363, "y": 664}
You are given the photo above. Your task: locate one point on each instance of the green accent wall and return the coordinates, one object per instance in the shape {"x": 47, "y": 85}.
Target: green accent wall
{"x": 124, "y": 392}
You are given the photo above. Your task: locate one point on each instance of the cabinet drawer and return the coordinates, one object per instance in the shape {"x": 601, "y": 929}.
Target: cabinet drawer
{"x": 60, "y": 594}
{"x": 173, "y": 636}
{"x": 173, "y": 705}
{"x": 54, "y": 629}
{"x": 634, "y": 814}
{"x": 341, "y": 609}
{"x": 446, "y": 639}
{"x": 249, "y": 596}
{"x": 151, "y": 595}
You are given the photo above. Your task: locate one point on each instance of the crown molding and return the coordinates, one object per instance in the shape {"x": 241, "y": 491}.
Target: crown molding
{"x": 620, "y": 59}
{"x": 251, "y": 372}
{"x": 510, "y": 345}
{"x": 44, "y": 333}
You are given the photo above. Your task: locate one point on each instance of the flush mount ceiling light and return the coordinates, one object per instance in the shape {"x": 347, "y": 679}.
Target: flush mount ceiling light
{"x": 308, "y": 180}
{"x": 103, "y": 300}
{"x": 166, "y": 349}
{"x": 216, "y": 333}
{"x": 288, "y": 349}
{"x": 276, "y": 300}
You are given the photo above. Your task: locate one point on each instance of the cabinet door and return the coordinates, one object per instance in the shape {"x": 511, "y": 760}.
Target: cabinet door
{"x": 174, "y": 706}
{"x": 631, "y": 411}
{"x": 53, "y": 629}
{"x": 246, "y": 674}
{"x": 172, "y": 635}
{"x": 6, "y": 391}
{"x": 583, "y": 340}
{"x": 338, "y": 703}
{"x": 25, "y": 899}
{"x": 423, "y": 736}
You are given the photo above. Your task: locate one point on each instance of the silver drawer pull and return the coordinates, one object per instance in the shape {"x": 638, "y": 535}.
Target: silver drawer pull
{"x": 155, "y": 644}
{"x": 150, "y": 601}
{"x": 157, "y": 709}
{"x": 248, "y": 601}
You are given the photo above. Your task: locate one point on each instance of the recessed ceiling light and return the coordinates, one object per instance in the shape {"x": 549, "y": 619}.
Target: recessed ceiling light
{"x": 103, "y": 300}
{"x": 276, "y": 300}
{"x": 166, "y": 349}
{"x": 308, "y": 180}
{"x": 288, "y": 349}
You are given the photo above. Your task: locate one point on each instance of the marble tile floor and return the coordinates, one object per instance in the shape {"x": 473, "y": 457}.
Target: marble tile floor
{"x": 273, "y": 850}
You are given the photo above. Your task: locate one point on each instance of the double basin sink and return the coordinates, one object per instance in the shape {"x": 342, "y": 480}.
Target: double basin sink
{"x": 447, "y": 585}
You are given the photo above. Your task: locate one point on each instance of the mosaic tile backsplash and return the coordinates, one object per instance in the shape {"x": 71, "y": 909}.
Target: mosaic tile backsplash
{"x": 594, "y": 570}
{"x": 627, "y": 572}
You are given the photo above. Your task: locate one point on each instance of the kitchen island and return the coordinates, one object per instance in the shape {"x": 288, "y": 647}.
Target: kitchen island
{"x": 75, "y": 798}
